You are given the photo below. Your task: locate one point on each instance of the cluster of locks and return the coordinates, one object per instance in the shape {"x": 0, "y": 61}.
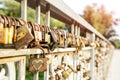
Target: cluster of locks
{"x": 16, "y": 33}
{"x": 64, "y": 69}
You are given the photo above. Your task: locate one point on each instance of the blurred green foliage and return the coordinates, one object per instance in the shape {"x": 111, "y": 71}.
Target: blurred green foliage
{"x": 12, "y": 8}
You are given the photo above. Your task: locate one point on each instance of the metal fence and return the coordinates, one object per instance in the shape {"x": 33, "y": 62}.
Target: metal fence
{"x": 89, "y": 63}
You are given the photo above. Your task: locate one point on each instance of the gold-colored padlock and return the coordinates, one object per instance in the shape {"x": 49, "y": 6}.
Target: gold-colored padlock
{"x": 65, "y": 74}
{"x": 71, "y": 68}
{"x": 1, "y": 30}
{"x": 86, "y": 74}
{"x": 5, "y": 30}
{"x": 57, "y": 77}
{"x": 61, "y": 39}
{"x": 10, "y": 32}
{"x": 69, "y": 39}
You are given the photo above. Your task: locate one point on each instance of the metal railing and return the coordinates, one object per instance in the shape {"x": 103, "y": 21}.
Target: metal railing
{"x": 93, "y": 62}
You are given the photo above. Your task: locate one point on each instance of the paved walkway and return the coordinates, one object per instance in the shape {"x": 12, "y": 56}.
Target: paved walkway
{"x": 114, "y": 69}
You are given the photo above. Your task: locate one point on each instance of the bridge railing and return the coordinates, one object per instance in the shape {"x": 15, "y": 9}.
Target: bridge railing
{"x": 93, "y": 61}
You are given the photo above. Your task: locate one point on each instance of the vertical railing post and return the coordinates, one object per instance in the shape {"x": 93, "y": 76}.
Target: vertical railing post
{"x": 75, "y": 55}
{"x": 78, "y": 31}
{"x": 92, "y": 57}
{"x": 22, "y": 63}
{"x": 24, "y": 9}
{"x": 11, "y": 70}
{"x": 72, "y": 28}
{"x": 91, "y": 37}
{"x": 72, "y": 32}
{"x": 38, "y": 10}
{"x": 78, "y": 73}
{"x": 21, "y": 68}
{"x": 47, "y": 19}
{"x": 47, "y": 23}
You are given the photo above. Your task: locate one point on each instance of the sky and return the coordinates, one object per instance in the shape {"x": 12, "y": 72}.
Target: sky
{"x": 79, "y": 5}
{"x": 110, "y": 5}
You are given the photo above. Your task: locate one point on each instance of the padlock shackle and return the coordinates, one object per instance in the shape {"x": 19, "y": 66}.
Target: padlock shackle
{"x": 1, "y": 19}
{"x": 5, "y": 21}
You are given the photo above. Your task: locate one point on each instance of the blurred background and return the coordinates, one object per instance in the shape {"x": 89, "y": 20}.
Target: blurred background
{"x": 103, "y": 15}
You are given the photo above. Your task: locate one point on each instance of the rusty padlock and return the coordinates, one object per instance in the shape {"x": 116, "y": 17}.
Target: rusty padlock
{"x": 24, "y": 37}
{"x": 36, "y": 31}
{"x": 38, "y": 64}
{"x": 78, "y": 67}
{"x": 88, "y": 60}
{"x": 53, "y": 40}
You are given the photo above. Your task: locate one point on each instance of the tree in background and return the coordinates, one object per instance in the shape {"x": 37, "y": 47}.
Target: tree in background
{"x": 98, "y": 17}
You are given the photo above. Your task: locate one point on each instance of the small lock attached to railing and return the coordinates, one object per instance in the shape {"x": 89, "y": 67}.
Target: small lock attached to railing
{"x": 49, "y": 39}
{"x": 38, "y": 64}
{"x": 24, "y": 37}
{"x": 78, "y": 67}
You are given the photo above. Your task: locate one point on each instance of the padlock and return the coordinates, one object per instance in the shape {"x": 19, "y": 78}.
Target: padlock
{"x": 49, "y": 39}
{"x": 77, "y": 41}
{"x": 38, "y": 64}
{"x": 96, "y": 63}
{"x": 69, "y": 39}
{"x": 56, "y": 32}
{"x": 60, "y": 67}
{"x": 5, "y": 29}
{"x": 35, "y": 29}
{"x": 82, "y": 44}
{"x": 71, "y": 68}
{"x": 53, "y": 40}
{"x": 46, "y": 35}
{"x": 61, "y": 39}
{"x": 1, "y": 30}
{"x": 88, "y": 60}
{"x": 73, "y": 40}
{"x": 78, "y": 67}
{"x": 45, "y": 40}
{"x": 57, "y": 77}
{"x": 15, "y": 24}
{"x": 86, "y": 74}
{"x": 87, "y": 42}
{"x": 10, "y": 30}
{"x": 65, "y": 74}
{"x": 24, "y": 37}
